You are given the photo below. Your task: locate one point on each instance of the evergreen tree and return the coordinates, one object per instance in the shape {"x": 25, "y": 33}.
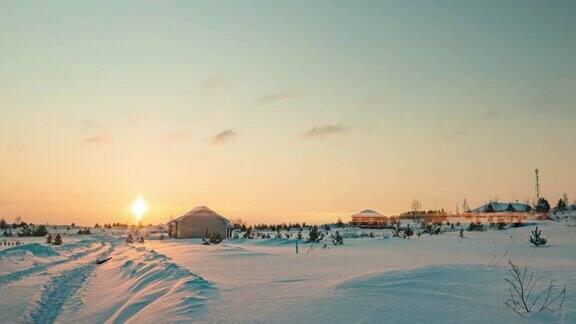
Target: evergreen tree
{"x": 57, "y": 239}
{"x": 40, "y": 230}
{"x": 339, "y": 223}
{"x": 4, "y": 224}
{"x": 337, "y": 239}
{"x": 314, "y": 235}
{"x": 299, "y": 235}
{"x": 536, "y": 239}
{"x": 408, "y": 231}
{"x": 49, "y": 239}
{"x": 543, "y": 206}
{"x": 510, "y": 208}
{"x": 476, "y": 226}
{"x": 560, "y": 206}
{"x": 489, "y": 208}
{"x": 248, "y": 233}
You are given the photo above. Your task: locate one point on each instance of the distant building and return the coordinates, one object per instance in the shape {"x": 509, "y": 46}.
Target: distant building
{"x": 196, "y": 222}
{"x": 498, "y": 207}
{"x": 369, "y": 217}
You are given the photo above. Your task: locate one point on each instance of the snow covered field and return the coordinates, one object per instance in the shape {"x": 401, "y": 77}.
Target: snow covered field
{"x": 428, "y": 279}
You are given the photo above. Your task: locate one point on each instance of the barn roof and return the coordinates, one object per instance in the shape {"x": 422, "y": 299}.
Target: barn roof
{"x": 199, "y": 209}
{"x": 368, "y": 213}
{"x": 502, "y": 207}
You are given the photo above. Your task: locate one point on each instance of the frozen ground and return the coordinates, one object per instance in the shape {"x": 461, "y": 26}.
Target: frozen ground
{"x": 431, "y": 279}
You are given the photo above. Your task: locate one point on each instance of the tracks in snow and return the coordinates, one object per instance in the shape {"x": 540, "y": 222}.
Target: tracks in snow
{"x": 63, "y": 286}
{"x": 35, "y": 269}
{"x": 58, "y": 291}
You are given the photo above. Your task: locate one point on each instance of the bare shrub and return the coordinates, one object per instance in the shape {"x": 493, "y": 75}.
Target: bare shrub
{"x": 523, "y": 297}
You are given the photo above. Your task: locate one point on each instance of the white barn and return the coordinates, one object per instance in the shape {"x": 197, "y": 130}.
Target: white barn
{"x": 195, "y": 224}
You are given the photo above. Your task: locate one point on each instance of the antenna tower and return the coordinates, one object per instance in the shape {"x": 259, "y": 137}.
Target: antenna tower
{"x": 537, "y": 171}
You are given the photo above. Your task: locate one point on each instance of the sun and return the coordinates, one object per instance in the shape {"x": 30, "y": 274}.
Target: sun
{"x": 139, "y": 208}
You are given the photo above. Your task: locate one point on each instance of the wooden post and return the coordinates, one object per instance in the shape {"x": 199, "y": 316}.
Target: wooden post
{"x": 296, "y": 246}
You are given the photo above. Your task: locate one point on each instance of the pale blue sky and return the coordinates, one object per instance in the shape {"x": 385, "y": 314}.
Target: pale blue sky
{"x": 439, "y": 100}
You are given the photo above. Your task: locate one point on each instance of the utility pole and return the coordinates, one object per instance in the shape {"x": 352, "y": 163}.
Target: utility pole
{"x": 537, "y": 171}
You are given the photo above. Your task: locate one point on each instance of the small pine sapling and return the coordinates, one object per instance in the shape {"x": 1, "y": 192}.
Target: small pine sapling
{"x": 536, "y": 239}
{"x": 299, "y": 235}
{"x": 314, "y": 235}
{"x": 57, "y": 239}
{"x": 49, "y": 239}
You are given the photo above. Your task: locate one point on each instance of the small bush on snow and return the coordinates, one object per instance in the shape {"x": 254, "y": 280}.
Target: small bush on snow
{"x": 476, "y": 227}
{"x": 84, "y": 231}
{"x": 212, "y": 238}
{"x": 500, "y": 224}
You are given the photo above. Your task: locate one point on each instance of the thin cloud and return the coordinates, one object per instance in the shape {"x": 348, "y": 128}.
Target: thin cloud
{"x": 95, "y": 141}
{"x": 175, "y": 137}
{"x": 216, "y": 84}
{"x": 223, "y": 137}
{"x": 492, "y": 114}
{"x": 374, "y": 99}
{"x": 86, "y": 124}
{"x": 280, "y": 96}
{"x": 5, "y": 203}
{"x": 323, "y": 130}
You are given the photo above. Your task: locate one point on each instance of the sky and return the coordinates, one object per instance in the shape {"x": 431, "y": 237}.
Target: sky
{"x": 282, "y": 111}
